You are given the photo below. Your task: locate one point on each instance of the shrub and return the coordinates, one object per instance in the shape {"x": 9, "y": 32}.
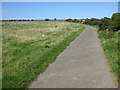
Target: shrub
{"x": 75, "y": 20}
{"x": 69, "y": 20}
{"x": 115, "y": 24}
{"x": 46, "y": 19}
{"x": 55, "y": 19}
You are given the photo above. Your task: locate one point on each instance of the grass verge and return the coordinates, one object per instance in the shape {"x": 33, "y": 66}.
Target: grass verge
{"x": 109, "y": 42}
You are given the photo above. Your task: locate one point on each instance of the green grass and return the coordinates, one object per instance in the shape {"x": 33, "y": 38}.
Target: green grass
{"x": 109, "y": 41}
{"x": 30, "y": 46}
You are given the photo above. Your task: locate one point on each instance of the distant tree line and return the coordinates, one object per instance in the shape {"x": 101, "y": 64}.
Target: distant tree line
{"x": 32, "y": 20}
{"x": 19, "y": 20}
{"x": 49, "y": 19}
{"x": 112, "y": 24}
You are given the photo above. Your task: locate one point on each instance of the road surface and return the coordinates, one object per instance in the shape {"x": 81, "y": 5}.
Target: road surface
{"x": 81, "y": 65}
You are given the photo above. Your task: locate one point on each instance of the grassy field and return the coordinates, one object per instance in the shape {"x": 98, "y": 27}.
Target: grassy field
{"x": 109, "y": 41}
{"x": 30, "y": 46}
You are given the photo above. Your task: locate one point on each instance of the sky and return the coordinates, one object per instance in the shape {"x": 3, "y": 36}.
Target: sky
{"x": 59, "y": 10}
{"x": 60, "y": 0}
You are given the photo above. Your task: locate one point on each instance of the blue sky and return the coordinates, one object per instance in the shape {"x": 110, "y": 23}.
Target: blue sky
{"x": 59, "y": 10}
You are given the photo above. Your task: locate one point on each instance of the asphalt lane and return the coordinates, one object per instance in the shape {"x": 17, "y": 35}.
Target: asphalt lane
{"x": 81, "y": 65}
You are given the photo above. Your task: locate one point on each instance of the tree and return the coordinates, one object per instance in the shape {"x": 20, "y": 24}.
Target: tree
{"x": 115, "y": 23}
{"x": 75, "y": 20}
{"x": 104, "y": 23}
{"x": 55, "y": 19}
{"x": 92, "y": 21}
{"x": 69, "y": 20}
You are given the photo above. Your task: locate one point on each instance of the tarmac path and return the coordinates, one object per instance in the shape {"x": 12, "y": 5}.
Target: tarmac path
{"x": 81, "y": 65}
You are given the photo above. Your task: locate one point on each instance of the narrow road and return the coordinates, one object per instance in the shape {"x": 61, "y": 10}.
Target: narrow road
{"x": 81, "y": 65}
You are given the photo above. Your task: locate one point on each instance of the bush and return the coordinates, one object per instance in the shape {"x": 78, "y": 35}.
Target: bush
{"x": 55, "y": 19}
{"x": 115, "y": 24}
{"x": 104, "y": 23}
{"x": 69, "y": 20}
{"x": 102, "y": 26}
{"x": 75, "y": 20}
{"x": 46, "y": 20}
{"x": 92, "y": 21}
